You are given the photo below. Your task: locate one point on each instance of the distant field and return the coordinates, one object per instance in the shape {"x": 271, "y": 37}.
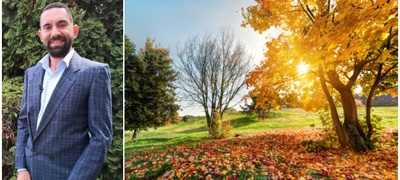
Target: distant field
{"x": 195, "y": 130}
{"x": 388, "y": 114}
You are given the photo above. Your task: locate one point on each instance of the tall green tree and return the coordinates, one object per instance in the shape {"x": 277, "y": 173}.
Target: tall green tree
{"x": 149, "y": 87}
{"x": 100, "y": 39}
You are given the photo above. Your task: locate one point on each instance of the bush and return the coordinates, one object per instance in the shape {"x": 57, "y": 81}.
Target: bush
{"x": 329, "y": 133}
{"x": 231, "y": 111}
{"x": 376, "y": 122}
{"x": 226, "y": 129}
{"x": 187, "y": 118}
{"x": 219, "y": 130}
{"x": 216, "y": 126}
{"x": 12, "y": 95}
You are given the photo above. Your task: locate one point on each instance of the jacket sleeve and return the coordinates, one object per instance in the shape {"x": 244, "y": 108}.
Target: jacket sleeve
{"x": 90, "y": 162}
{"x": 23, "y": 129}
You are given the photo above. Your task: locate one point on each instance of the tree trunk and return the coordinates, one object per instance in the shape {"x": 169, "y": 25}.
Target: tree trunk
{"x": 217, "y": 124}
{"x": 134, "y": 134}
{"x": 209, "y": 124}
{"x": 360, "y": 129}
{"x": 351, "y": 125}
{"x": 369, "y": 102}
{"x": 355, "y": 140}
{"x": 209, "y": 121}
{"x": 334, "y": 114}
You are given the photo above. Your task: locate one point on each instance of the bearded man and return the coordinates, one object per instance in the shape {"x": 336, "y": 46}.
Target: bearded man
{"x": 65, "y": 121}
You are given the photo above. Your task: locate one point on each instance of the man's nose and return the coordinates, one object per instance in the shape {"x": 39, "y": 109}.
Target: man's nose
{"x": 55, "y": 31}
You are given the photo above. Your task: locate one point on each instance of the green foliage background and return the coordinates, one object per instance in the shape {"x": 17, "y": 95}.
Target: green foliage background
{"x": 100, "y": 39}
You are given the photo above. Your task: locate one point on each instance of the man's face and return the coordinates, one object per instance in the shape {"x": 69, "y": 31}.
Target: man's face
{"x": 57, "y": 32}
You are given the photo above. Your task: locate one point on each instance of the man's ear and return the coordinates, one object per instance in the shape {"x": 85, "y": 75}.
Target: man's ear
{"x": 76, "y": 30}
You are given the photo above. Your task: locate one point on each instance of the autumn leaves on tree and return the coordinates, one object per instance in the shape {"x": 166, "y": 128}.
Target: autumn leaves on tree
{"x": 345, "y": 43}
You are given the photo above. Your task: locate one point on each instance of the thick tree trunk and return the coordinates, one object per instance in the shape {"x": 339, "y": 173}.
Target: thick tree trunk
{"x": 134, "y": 134}
{"x": 355, "y": 137}
{"x": 216, "y": 125}
{"x": 351, "y": 126}
{"x": 334, "y": 114}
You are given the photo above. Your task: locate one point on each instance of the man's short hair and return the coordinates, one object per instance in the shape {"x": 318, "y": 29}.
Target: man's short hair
{"x": 58, "y": 5}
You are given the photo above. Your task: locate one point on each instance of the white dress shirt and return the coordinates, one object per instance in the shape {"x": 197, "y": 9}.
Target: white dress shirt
{"x": 50, "y": 80}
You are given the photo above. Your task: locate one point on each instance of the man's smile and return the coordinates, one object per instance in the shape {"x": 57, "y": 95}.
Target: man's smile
{"x": 56, "y": 42}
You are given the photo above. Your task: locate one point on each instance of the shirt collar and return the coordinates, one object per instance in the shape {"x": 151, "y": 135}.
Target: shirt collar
{"x": 67, "y": 59}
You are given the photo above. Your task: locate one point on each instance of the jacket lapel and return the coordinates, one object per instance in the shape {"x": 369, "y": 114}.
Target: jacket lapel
{"x": 64, "y": 84}
{"x": 34, "y": 96}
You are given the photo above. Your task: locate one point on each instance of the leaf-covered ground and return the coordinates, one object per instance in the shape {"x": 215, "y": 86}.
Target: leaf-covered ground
{"x": 276, "y": 154}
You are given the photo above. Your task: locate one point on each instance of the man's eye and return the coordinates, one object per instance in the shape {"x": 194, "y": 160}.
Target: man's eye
{"x": 62, "y": 24}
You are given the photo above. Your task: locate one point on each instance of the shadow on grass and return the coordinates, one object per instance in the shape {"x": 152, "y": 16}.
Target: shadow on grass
{"x": 235, "y": 123}
{"x": 243, "y": 121}
{"x": 195, "y": 130}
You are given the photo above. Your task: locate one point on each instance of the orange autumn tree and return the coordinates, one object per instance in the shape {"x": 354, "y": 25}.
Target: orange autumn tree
{"x": 270, "y": 88}
{"x": 337, "y": 39}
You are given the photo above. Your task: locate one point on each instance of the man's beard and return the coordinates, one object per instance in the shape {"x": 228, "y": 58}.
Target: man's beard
{"x": 59, "y": 51}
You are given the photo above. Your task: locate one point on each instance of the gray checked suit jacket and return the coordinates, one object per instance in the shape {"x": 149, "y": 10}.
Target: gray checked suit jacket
{"x": 76, "y": 129}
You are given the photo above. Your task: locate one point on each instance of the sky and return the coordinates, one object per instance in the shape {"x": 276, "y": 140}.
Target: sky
{"x": 172, "y": 22}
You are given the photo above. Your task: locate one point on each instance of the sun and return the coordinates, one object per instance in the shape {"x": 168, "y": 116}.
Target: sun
{"x": 302, "y": 68}
{"x": 358, "y": 89}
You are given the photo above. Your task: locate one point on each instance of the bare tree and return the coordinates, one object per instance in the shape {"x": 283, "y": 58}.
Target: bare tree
{"x": 213, "y": 70}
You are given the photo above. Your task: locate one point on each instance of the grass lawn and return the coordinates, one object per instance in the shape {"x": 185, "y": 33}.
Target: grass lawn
{"x": 267, "y": 149}
{"x": 196, "y": 130}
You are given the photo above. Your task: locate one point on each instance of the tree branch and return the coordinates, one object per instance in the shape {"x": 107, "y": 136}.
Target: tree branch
{"x": 309, "y": 16}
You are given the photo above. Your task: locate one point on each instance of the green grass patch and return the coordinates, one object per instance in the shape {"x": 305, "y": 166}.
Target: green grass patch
{"x": 389, "y": 115}
{"x": 285, "y": 118}
{"x": 196, "y": 130}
